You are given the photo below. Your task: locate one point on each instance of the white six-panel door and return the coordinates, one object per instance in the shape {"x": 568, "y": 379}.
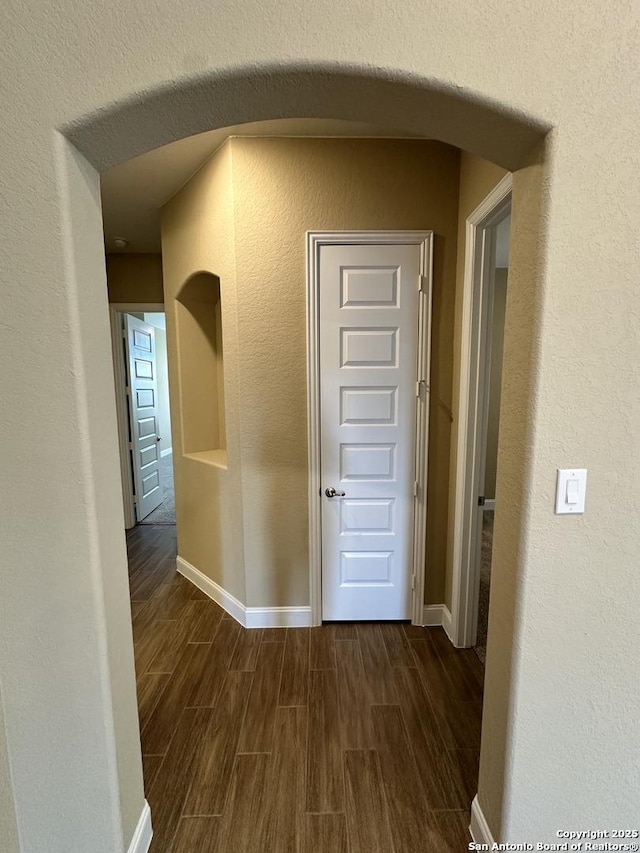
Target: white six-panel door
{"x": 369, "y": 308}
{"x": 143, "y": 415}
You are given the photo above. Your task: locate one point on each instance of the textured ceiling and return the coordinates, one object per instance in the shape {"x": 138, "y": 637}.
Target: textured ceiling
{"x": 134, "y": 191}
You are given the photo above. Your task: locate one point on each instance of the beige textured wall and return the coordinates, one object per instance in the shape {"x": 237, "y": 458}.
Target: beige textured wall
{"x": 135, "y": 278}
{"x": 8, "y": 823}
{"x": 281, "y": 188}
{"x": 66, "y": 653}
{"x": 199, "y": 358}
{"x": 88, "y": 85}
{"x": 284, "y": 187}
{"x": 477, "y": 178}
{"x": 505, "y": 665}
{"x": 495, "y": 379}
{"x": 219, "y": 362}
{"x": 198, "y": 236}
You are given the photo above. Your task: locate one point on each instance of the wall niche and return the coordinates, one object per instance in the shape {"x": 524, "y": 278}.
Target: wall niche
{"x": 201, "y": 368}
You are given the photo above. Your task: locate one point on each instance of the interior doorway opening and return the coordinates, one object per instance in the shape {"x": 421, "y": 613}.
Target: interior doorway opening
{"x": 497, "y": 280}
{"x": 484, "y": 310}
{"x": 442, "y": 135}
{"x": 140, "y": 362}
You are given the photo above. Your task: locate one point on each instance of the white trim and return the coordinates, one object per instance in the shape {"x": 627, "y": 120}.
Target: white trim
{"x": 277, "y": 617}
{"x": 313, "y": 433}
{"x": 419, "y": 567}
{"x": 166, "y": 451}
{"x": 315, "y": 240}
{"x": 143, "y": 834}
{"x": 116, "y": 310}
{"x": 446, "y": 622}
{"x": 464, "y": 609}
{"x": 120, "y": 382}
{"x": 437, "y": 615}
{"x": 489, "y": 505}
{"x": 248, "y": 617}
{"x": 227, "y": 601}
{"x": 479, "y": 828}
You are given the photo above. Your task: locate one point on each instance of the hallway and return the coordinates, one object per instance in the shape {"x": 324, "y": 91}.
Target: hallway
{"x": 339, "y": 739}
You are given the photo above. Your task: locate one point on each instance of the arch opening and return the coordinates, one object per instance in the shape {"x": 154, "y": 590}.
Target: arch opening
{"x": 423, "y": 107}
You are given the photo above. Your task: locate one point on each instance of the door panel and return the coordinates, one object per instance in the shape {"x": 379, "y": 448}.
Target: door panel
{"x": 143, "y": 414}
{"x": 369, "y": 311}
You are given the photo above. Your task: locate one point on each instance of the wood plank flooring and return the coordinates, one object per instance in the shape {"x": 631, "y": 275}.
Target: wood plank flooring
{"x": 347, "y": 738}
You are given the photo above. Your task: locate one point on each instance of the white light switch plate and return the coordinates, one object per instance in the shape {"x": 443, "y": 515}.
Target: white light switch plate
{"x": 571, "y": 490}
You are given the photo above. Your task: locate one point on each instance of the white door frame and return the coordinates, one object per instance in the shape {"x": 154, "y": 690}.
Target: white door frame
{"x": 315, "y": 241}
{"x": 476, "y": 306}
{"x": 116, "y": 310}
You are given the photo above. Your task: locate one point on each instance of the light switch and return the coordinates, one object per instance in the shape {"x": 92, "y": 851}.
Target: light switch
{"x": 571, "y": 490}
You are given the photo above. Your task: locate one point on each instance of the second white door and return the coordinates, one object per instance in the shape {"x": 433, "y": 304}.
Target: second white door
{"x": 370, "y": 304}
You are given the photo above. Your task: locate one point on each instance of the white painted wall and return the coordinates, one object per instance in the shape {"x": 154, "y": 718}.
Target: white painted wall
{"x": 156, "y": 318}
{"x": 560, "y": 740}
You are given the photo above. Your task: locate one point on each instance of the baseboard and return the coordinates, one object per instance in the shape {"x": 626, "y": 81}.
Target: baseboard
{"x": 278, "y": 617}
{"x": 437, "y": 615}
{"x": 432, "y": 615}
{"x": 227, "y": 601}
{"x": 166, "y": 452}
{"x": 248, "y": 617}
{"x": 141, "y": 840}
{"x": 479, "y": 828}
{"x": 489, "y": 505}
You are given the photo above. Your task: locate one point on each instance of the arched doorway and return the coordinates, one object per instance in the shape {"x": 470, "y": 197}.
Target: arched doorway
{"x": 425, "y": 108}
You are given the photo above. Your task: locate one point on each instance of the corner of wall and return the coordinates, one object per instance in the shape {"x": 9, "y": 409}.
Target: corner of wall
{"x": 197, "y": 230}
{"x": 8, "y": 819}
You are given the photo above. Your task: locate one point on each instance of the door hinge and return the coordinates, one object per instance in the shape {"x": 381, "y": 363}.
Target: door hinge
{"x": 481, "y": 500}
{"x": 130, "y": 445}
{"x": 416, "y": 488}
{"x": 423, "y": 284}
{"x": 413, "y": 581}
{"x": 135, "y": 499}
{"x": 421, "y": 385}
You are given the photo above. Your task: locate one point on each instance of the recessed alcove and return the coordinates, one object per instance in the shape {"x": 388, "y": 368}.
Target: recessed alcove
{"x": 201, "y": 368}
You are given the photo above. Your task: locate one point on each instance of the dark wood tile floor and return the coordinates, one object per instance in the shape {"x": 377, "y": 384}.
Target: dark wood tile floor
{"x": 348, "y": 738}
